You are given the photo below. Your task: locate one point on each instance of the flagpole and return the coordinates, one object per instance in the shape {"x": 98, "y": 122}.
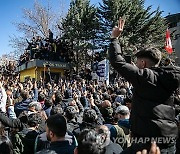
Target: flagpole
{"x": 44, "y": 73}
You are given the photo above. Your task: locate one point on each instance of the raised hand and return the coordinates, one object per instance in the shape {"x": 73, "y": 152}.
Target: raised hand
{"x": 1, "y": 84}
{"x": 154, "y": 150}
{"x": 35, "y": 84}
{"x": 116, "y": 32}
{"x": 21, "y": 86}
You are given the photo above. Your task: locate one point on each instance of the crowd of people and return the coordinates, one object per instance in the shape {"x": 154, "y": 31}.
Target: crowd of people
{"x": 77, "y": 116}
{"x": 135, "y": 113}
{"x": 47, "y": 48}
{"x": 8, "y": 68}
{"x": 64, "y": 116}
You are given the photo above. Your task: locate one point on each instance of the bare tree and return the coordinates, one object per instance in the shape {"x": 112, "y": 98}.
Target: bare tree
{"x": 37, "y": 22}
{"x": 18, "y": 43}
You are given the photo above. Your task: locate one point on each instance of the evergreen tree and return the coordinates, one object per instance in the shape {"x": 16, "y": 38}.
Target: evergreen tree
{"x": 142, "y": 27}
{"x": 80, "y": 27}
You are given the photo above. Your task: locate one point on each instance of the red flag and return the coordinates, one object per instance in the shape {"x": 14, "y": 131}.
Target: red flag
{"x": 168, "y": 46}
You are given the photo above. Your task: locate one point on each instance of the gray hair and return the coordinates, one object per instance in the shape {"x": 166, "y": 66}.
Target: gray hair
{"x": 35, "y": 104}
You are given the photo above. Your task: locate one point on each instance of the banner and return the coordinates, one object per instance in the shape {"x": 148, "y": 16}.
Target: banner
{"x": 103, "y": 71}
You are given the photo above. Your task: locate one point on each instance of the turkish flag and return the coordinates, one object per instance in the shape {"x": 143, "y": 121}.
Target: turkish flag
{"x": 168, "y": 46}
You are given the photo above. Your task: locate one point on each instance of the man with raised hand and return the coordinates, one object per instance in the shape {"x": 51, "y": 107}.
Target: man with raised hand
{"x": 153, "y": 113}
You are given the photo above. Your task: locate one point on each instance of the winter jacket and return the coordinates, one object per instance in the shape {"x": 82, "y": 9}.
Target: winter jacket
{"x": 21, "y": 122}
{"x": 59, "y": 147}
{"x": 153, "y": 114}
{"x": 23, "y": 105}
{"x": 23, "y": 141}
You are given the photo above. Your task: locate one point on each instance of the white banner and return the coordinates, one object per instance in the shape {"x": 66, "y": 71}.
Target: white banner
{"x": 103, "y": 71}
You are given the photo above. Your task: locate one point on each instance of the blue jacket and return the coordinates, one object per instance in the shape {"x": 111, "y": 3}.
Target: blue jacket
{"x": 23, "y": 105}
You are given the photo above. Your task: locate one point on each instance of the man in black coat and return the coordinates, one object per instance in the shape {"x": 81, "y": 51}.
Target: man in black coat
{"x": 24, "y": 141}
{"x": 56, "y": 129}
{"x": 70, "y": 114}
{"x": 22, "y": 121}
{"x": 153, "y": 113}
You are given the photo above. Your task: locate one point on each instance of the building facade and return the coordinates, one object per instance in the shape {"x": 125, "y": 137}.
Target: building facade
{"x": 174, "y": 27}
